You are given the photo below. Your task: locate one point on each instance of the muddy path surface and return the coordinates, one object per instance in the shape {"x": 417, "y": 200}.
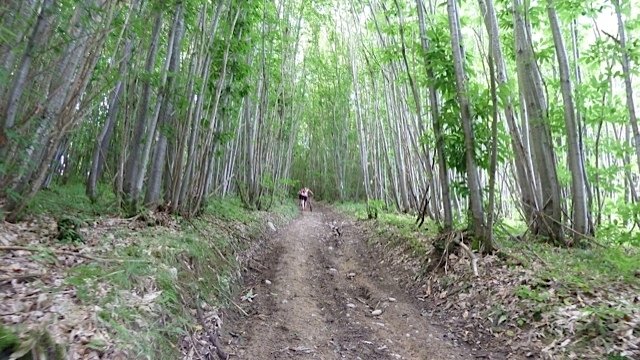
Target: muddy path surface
{"x": 317, "y": 293}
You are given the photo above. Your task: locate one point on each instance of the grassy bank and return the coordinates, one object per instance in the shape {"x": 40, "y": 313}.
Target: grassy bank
{"x": 560, "y": 303}
{"x": 124, "y": 288}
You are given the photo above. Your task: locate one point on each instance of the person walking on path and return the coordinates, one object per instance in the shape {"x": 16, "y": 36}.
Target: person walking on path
{"x": 303, "y": 197}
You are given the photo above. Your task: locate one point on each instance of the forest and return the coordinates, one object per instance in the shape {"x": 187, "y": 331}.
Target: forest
{"x": 496, "y": 121}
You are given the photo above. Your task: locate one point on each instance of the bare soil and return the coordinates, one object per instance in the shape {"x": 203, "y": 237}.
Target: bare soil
{"x": 313, "y": 292}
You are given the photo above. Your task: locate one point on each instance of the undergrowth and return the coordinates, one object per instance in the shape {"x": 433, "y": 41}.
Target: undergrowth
{"x": 195, "y": 262}
{"x": 70, "y": 200}
{"x": 603, "y": 263}
{"x": 146, "y": 300}
{"x": 585, "y": 289}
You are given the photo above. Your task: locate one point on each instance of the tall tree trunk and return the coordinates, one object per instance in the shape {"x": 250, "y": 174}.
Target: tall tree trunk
{"x": 138, "y": 140}
{"x": 437, "y": 127}
{"x": 581, "y": 211}
{"x": 156, "y": 173}
{"x": 104, "y": 138}
{"x": 627, "y": 79}
{"x": 473, "y": 182}
{"x": 548, "y": 221}
{"x": 36, "y": 40}
{"x": 494, "y": 152}
{"x": 524, "y": 173}
{"x": 418, "y": 103}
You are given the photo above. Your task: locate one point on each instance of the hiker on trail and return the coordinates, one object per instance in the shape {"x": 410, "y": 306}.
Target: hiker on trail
{"x": 303, "y": 196}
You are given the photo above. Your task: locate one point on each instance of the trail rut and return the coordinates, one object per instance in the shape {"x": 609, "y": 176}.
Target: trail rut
{"x": 315, "y": 295}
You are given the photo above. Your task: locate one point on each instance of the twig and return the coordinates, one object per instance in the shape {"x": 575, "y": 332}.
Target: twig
{"x": 213, "y": 335}
{"x": 195, "y": 347}
{"x": 239, "y": 308}
{"x": 525, "y": 244}
{"x": 615, "y": 39}
{"x": 474, "y": 259}
{"x": 4, "y": 279}
{"x": 213, "y": 245}
{"x": 583, "y": 236}
{"x": 64, "y": 252}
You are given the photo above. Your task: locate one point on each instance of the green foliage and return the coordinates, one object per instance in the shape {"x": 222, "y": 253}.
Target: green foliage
{"x": 230, "y": 209}
{"x": 70, "y": 200}
{"x": 526, "y": 292}
{"x": 68, "y": 230}
{"x": 37, "y": 344}
{"x": 581, "y": 268}
{"x": 174, "y": 267}
{"x": 8, "y": 340}
{"x": 373, "y": 208}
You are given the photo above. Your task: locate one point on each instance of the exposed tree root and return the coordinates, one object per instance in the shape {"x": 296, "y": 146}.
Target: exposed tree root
{"x": 444, "y": 245}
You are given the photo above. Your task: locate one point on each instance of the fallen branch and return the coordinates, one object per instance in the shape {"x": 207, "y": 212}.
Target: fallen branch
{"x": 474, "y": 259}
{"x": 213, "y": 335}
{"x": 239, "y": 308}
{"x": 70, "y": 253}
{"x": 4, "y": 279}
{"x": 456, "y": 238}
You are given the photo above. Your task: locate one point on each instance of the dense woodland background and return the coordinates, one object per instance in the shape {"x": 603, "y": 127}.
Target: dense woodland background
{"x": 465, "y": 112}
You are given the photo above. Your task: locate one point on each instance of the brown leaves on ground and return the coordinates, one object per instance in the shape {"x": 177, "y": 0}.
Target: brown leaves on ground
{"x": 35, "y": 295}
{"x": 41, "y": 294}
{"x": 512, "y": 305}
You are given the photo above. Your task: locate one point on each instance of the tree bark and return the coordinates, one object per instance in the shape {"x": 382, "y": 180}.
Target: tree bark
{"x": 473, "y": 182}
{"x": 548, "y": 220}
{"x": 138, "y": 140}
{"x": 156, "y": 173}
{"x": 581, "y": 211}
{"x": 437, "y": 127}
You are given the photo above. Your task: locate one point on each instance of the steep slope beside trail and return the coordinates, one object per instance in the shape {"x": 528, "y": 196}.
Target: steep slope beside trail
{"x": 313, "y": 295}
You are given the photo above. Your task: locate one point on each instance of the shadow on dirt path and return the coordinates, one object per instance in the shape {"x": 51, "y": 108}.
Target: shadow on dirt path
{"x": 318, "y": 295}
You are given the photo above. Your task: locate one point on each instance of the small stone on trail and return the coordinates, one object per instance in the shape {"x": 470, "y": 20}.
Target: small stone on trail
{"x": 333, "y": 271}
{"x": 267, "y": 282}
{"x": 392, "y": 299}
{"x": 271, "y": 226}
{"x": 285, "y": 301}
{"x": 351, "y": 275}
{"x": 376, "y": 312}
{"x": 352, "y": 306}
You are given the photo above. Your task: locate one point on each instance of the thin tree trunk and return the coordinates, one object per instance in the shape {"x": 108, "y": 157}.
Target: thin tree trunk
{"x": 473, "y": 182}
{"x": 437, "y": 128}
{"x": 581, "y": 212}
{"x": 104, "y": 138}
{"x": 524, "y": 173}
{"x": 138, "y": 140}
{"x": 549, "y": 218}
{"x": 154, "y": 184}
{"x": 627, "y": 79}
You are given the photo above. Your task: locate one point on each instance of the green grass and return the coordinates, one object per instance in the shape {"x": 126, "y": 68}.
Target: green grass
{"x": 401, "y": 229}
{"x": 70, "y": 200}
{"x": 8, "y": 340}
{"x": 184, "y": 265}
{"x": 195, "y": 262}
{"x": 581, "y": 268}
{"x": 230, "y": 208}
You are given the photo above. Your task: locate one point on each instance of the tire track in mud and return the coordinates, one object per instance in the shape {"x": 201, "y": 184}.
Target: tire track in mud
{"x": 314, "y": 296}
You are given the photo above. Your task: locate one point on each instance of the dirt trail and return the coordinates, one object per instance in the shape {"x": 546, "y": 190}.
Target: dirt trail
{"x": 315, "y": 294}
